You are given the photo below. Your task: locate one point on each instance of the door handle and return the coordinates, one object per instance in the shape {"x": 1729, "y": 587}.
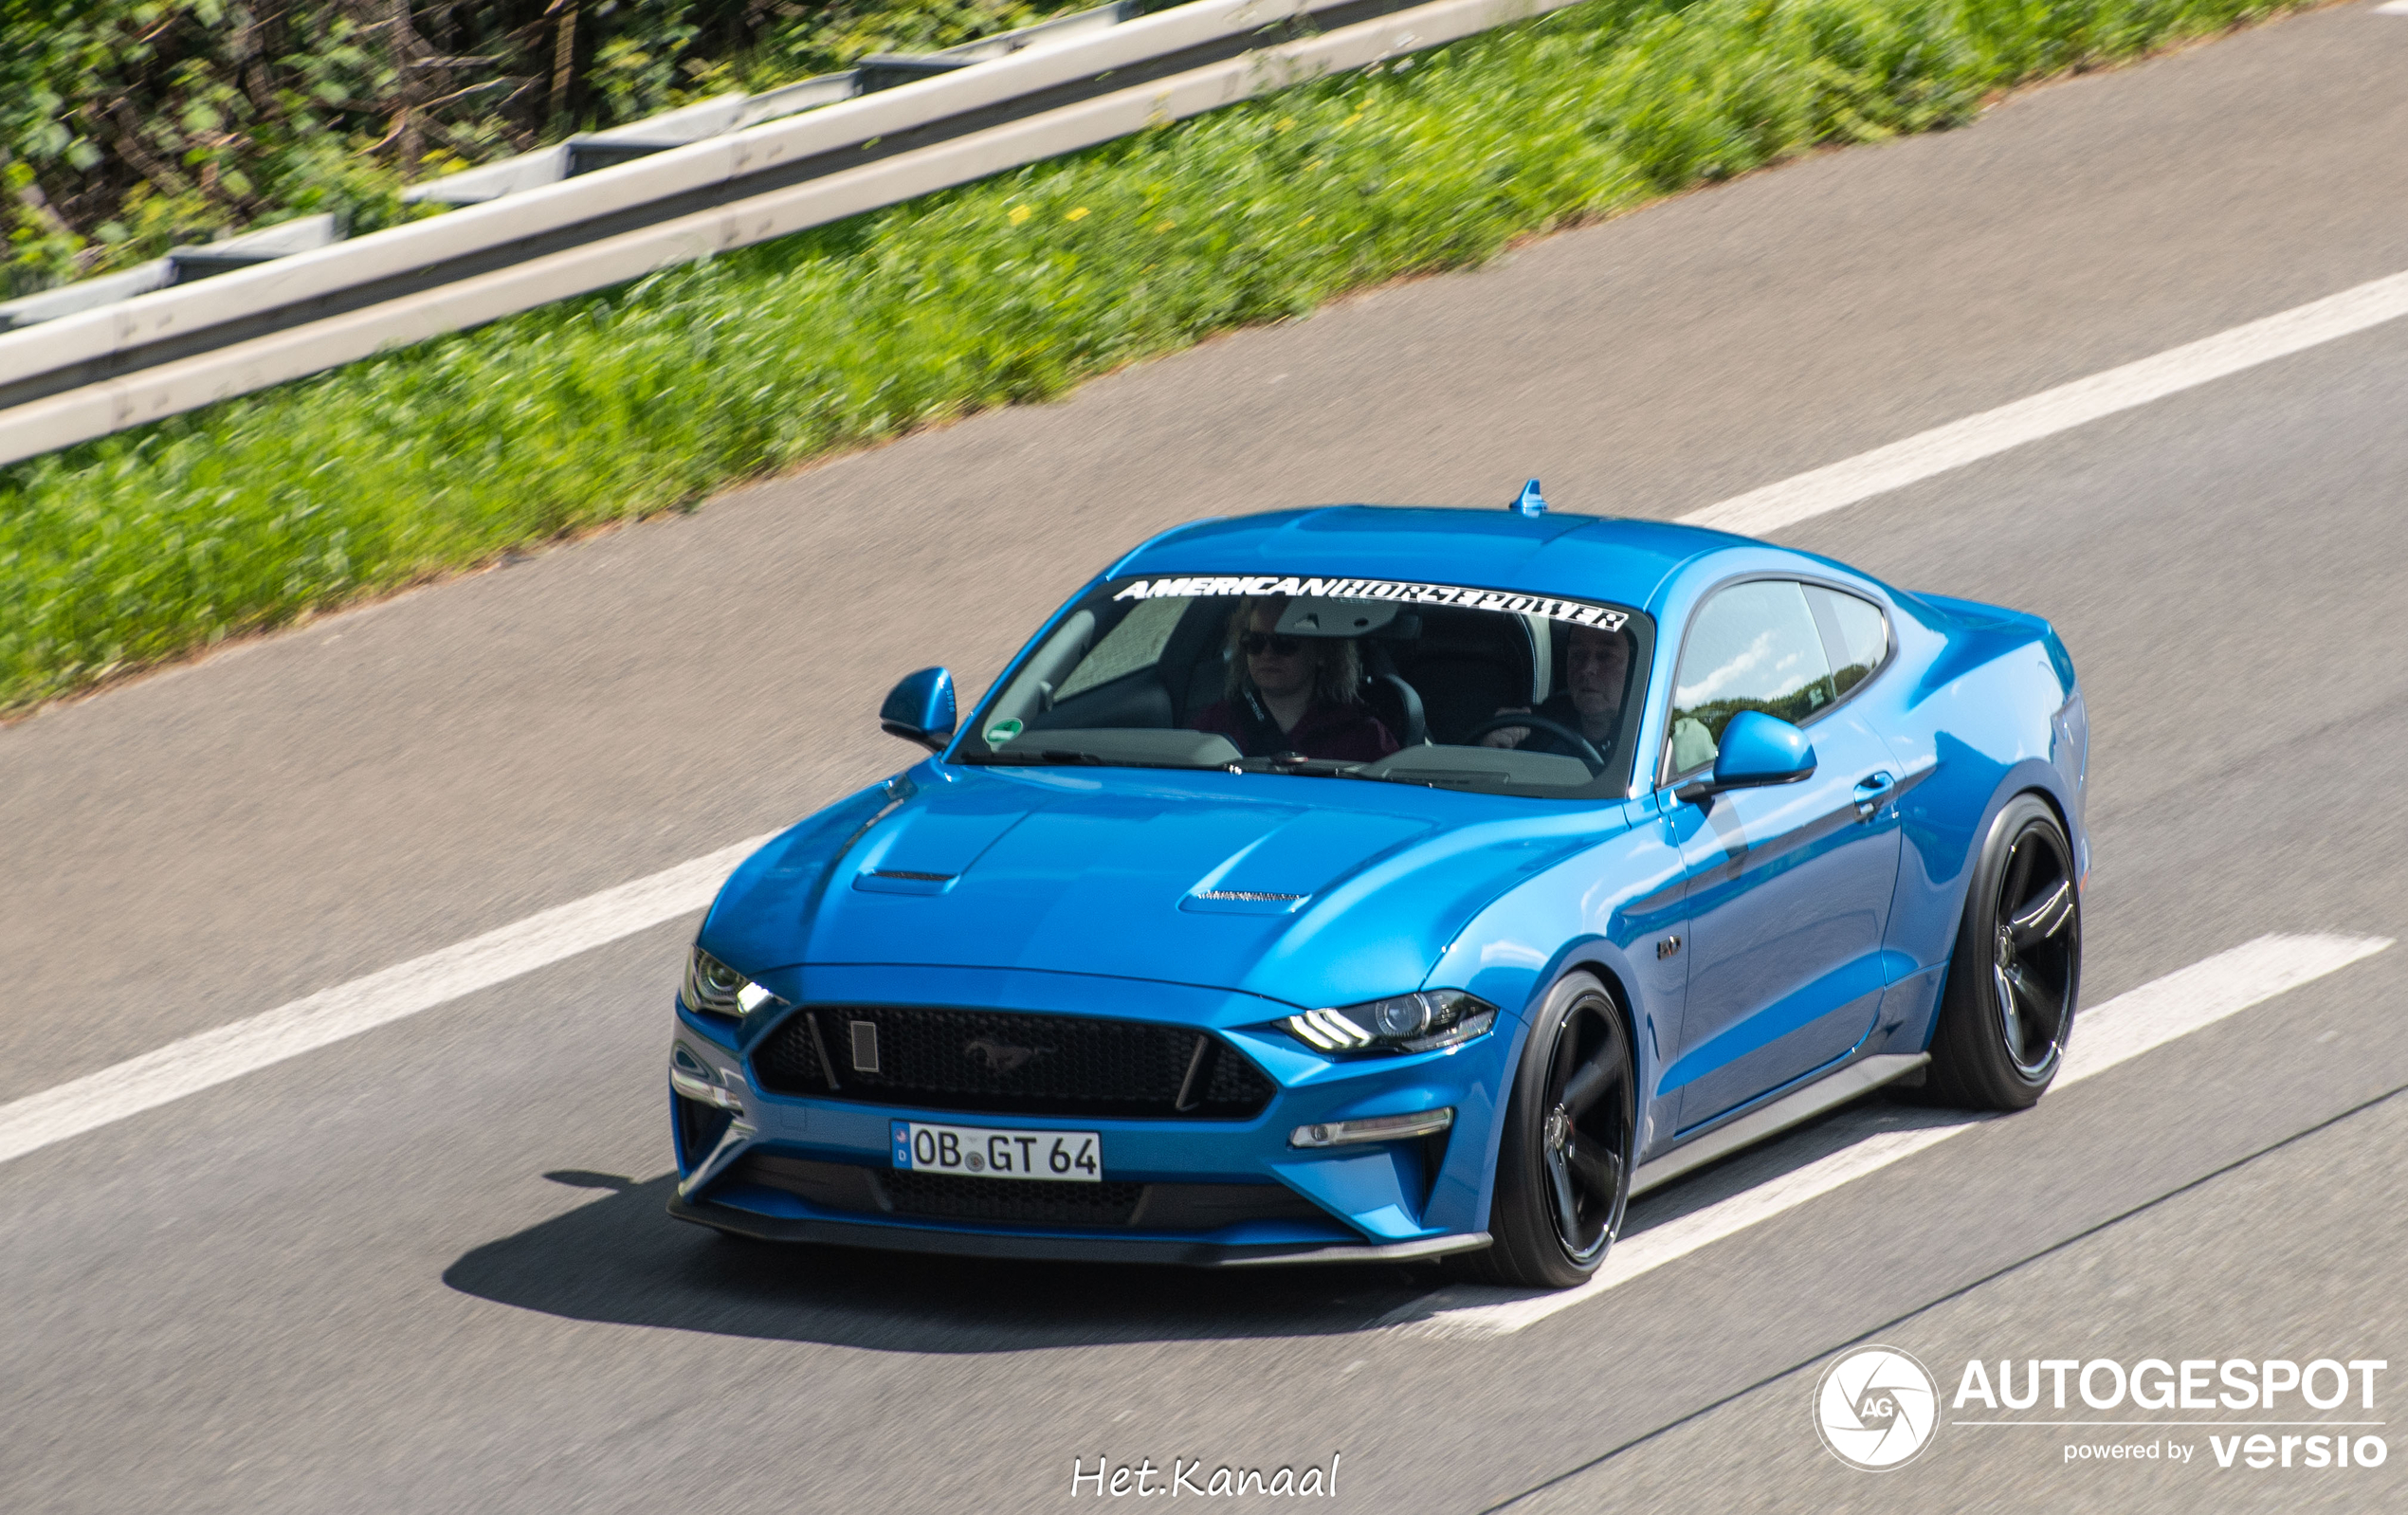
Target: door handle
{"x": 1873, "y": 792}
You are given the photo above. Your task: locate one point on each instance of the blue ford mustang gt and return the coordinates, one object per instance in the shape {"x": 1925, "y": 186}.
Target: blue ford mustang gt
{"x": 1377, "y": 882}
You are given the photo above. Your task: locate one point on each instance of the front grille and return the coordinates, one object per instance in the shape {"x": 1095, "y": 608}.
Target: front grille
{"x": 790, "y": 1060}
{"x": 1191, "y": 1207}
{"x": 1006, "y": 1062}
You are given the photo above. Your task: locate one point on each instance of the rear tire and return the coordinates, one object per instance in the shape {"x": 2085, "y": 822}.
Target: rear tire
{"x": 2013, "y": 980}
{"x": 1564, "y": 1157}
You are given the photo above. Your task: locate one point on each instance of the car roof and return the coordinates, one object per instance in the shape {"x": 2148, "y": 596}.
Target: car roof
{"x": 1603, "y": 558}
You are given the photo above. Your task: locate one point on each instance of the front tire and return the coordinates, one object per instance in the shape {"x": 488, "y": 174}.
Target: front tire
{"x": 1565, "y": 1158}
{"x": 2013, "y": 980}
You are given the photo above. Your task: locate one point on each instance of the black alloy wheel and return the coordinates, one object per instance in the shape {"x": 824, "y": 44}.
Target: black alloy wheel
{"x": 1564, "y": 1160}
{"x": 2009, "y": 1003}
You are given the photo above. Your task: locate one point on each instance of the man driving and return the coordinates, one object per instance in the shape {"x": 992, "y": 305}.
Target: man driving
{"x": 1597, "y": 664}
{"x": 1293, "y": 694}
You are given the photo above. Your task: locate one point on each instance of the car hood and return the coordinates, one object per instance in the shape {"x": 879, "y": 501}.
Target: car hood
{"x": 1305, "y": 890}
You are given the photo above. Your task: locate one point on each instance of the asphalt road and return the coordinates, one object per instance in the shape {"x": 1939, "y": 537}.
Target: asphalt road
{"x": 428, "y": 1268}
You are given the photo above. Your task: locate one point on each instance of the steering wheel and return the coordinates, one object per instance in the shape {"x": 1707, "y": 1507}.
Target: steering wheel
{"x": 1583, "y": 747}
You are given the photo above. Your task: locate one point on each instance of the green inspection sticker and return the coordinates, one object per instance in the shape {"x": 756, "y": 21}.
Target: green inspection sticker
{"x": 1001, "y": 732}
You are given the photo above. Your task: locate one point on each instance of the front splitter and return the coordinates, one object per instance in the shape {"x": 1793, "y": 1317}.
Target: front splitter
{"x": 1056, "y": 1249}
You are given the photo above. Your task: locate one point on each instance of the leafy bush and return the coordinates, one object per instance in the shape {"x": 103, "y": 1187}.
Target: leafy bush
{"x": 127, "y": 126}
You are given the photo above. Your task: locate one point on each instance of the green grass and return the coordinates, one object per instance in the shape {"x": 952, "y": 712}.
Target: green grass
{"x": 147, "y": 544}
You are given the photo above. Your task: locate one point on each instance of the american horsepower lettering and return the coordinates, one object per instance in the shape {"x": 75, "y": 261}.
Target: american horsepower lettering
{"x": 1574, "y": 612}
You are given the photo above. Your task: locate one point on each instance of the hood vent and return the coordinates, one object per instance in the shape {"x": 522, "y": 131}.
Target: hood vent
{"x": 1242, "y": 901}
{"x": 903, "y": 881}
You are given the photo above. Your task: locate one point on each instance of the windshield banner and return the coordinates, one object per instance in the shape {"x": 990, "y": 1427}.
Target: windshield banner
{"x": 1265, "y": 586}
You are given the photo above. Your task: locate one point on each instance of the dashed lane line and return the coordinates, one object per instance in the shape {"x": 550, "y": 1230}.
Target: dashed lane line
{"x": 2123, "y": 1027}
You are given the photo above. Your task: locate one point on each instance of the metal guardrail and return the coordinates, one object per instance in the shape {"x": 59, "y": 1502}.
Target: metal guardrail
{"x": 159, "y": 353}
{"x": 590, "y": 151}
{"x": 181, "y": 266}
{"x": 582, "y": 154}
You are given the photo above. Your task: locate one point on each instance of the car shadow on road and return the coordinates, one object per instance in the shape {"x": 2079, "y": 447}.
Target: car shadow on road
{"x": 622, "y": 1259}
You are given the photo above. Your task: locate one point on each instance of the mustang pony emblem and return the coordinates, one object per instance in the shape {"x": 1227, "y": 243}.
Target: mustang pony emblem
{"x": 1002, "y": 1057}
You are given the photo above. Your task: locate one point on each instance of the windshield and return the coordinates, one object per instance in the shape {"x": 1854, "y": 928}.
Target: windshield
{"x": 1436, "y": 684}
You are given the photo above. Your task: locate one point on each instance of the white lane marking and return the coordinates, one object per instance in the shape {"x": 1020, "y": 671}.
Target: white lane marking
{"x": 2392, "y": 7}
{"x": 2201, "y": 994}
{"x": 2062, "y": 408}
{"x": 2123, "y": 1027}
{"x": 229, "y": 1052}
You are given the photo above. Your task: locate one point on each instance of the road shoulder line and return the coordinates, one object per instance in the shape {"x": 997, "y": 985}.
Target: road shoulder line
{"x": 215, "y": 1056}
{"x": 1942, "y": 448}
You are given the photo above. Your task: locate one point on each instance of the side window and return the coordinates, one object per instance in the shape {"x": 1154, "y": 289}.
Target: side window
{"x": 1753, "y": 647}
{"x": 1855, "y": 633}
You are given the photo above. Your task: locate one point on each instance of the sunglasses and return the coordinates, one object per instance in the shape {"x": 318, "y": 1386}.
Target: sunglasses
{"x": 1255, "y": 644}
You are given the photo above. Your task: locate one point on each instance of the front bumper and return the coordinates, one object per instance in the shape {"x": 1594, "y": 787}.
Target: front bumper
{"x": 1394, "y": 1200}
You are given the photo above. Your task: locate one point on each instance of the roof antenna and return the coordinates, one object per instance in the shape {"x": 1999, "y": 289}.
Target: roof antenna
{"x": 1529, "y": 503}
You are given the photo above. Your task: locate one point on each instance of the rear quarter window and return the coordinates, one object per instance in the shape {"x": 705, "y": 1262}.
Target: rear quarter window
{"x": 1855, "y": 630}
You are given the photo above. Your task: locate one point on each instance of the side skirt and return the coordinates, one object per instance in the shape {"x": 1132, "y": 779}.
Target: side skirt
{"x": 1792, "y": 1109}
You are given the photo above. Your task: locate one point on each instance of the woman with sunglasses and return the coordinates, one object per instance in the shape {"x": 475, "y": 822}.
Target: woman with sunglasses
{"x": 1293, "y": 694}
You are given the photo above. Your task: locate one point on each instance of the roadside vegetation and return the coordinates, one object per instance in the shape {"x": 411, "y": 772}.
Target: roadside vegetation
{"x": 150, "y": 544}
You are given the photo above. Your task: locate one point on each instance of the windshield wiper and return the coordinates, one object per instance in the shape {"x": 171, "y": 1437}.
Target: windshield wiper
{"x": 1459, "y": 781}
{"x": 1300, "y": 767}
{"x": 1070, "y": 756}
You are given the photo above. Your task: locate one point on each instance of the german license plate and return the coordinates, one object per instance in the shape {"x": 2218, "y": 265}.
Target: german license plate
{"x": 1072, "y": 1157}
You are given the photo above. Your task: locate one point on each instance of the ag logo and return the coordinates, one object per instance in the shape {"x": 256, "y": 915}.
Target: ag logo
{"x": 1876, "y": 1408}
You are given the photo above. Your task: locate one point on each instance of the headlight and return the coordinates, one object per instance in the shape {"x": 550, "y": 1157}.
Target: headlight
{"x": 1402, "y": 1023}
{"x": 712, "y": 988}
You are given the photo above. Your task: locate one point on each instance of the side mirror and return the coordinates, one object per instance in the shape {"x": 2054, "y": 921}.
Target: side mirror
{"x": 1755, "y": 750}
{"x": 921, "y": 709}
